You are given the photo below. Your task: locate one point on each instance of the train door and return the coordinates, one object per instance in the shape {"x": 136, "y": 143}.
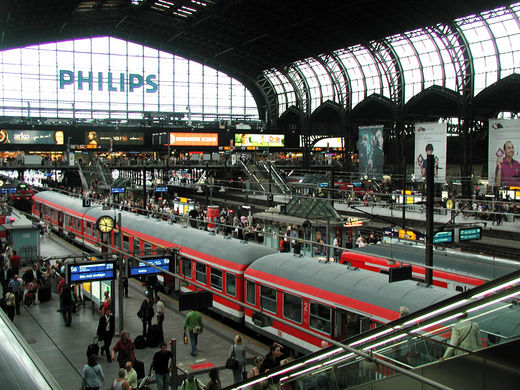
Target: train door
{"x": 60, "y": 222}
{"x": 348, "y": 324}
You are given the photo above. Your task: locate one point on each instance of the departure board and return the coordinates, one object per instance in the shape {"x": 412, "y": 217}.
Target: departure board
{"x": 90, "y": 272}
{"x": 141, "y": 268}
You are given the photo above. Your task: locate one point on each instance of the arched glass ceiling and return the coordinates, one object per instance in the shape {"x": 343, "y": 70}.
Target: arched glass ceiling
{"x": 120, "y": 80}
{"x": 429, "y": 56}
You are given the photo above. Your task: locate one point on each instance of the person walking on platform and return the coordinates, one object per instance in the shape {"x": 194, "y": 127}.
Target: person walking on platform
{"x": 146, "y": 313}
{"x": 193, "y": 323}
{"x": 10, "y": 303}
{"x": 125, "y": 349}
{"x": 17, "y": 289}
{"x": 238, "y": 352}
{"x": 162, "y": 365}
{"x": 214, "y": 380}
{"x": 465, "y": 335}
{"x": 105, "y": 332}
{"x": 5, "y": 276}
{"x": 159, "y": 307}
{"x": 131, "y": 375}
{"x": 120, "y": 383}
{"x": 66, "y": 304}
{"x": 92, "y": 374}
{"x": 272, "y": 359}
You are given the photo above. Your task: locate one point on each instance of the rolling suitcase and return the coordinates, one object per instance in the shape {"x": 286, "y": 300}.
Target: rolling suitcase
{"x": 44, "y": 294}
{"x": 28, "y": 299}
{"x": 143, "y": 385}
{"x": 93, "y": 349}
{"x": 154, "y": 337}
{"x": 140, "y": 342}
{"x": 139, "y": 369}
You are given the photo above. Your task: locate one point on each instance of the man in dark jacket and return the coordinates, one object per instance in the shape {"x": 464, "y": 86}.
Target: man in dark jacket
{"x": 146, "y": 313}
{"x": 105, "y": 332}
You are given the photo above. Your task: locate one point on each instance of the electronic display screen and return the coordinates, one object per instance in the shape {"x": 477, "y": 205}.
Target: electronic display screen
{"x": 470, "y": 234}
{"x": 90, "y": 272}
{"x": 118, "y": 190}
{"x": 444, "y": 236}
{"x": 144, "y": 269}
{"x": 161, "y": 189}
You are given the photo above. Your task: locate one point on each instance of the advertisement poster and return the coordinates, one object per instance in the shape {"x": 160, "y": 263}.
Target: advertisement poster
{"x": 430, "y": 138}
{"x": 504, "y": 152}
{"x": 35, "y": 137}
{"x": 269, "y": 140}
{"x": 370, "y": 147}
{"x": 194, "y": 139}
{"x": 93, "y": 138}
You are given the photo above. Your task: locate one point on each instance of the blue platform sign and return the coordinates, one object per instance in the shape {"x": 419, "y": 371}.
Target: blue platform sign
{"x": 470, "y": 234}
{"x": 90, "y": 272}
{"x": 144, "y": 269}
{"x": 161, "y": 189}
{"x": 444, "y": 236}
{"x": 323, "y": 185}
{"x": 118, "y": 190}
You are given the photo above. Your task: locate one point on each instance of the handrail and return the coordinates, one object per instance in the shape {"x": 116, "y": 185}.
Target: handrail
{"x": 251, "y": 174}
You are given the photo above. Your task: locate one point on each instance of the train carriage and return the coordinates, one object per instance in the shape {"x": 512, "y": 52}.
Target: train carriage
{"x": 326, "y": 298}
{"x": 453, "y": 270}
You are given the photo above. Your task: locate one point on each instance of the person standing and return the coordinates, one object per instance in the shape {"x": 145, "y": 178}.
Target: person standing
{"x": 465, "y": 336}
{"x": 10, "y": 302}
{"x": 159, "y": 307}
{"x": 125, "y": 349}
{"x": 239, "y": 352}
{"x": 145, "y": 313}
{"x": 272, "y": 359}
{"x": 92, "y": 374}
{"x": 214, "y": 380}
{"x": 5, "y": 276}
{"x": 162, "y": 365}
{"x": 15, "y": 261}
{"x": 15, "y": 285}
{"x": 131, "y": 375}
{"x": 120, "y": 383}
{"x": 105, "y": 331}
{"x": 193, "y": 323}
{"x": 66, "y": 304}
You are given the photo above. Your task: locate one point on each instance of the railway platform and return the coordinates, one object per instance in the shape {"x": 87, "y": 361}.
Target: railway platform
{"x": 63, "y": 349}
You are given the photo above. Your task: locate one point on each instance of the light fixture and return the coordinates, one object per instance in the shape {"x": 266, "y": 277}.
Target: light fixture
{"x": 222, "y": 189}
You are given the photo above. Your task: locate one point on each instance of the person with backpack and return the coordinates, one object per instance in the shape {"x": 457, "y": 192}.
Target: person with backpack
{"x": 191, "y": 383}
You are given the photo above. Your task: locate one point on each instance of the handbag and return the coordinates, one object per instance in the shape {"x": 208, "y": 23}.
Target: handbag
{"x": 197, "y": 330}
{"x": 232, "y": 362}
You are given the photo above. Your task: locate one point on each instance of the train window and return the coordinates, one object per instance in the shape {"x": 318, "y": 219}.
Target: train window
{"x": 117, "y": 239}
{"x": 186, "y": 268}
{"x": 292, "y": 308}
{"x": 251, "y": 293}
{"x": 147, "y": 248}
{"x": 200, "y": 273}
{"x": 268, "y": 299}
{"x": 216, "y": 279}
{"x": 321, "y": 318}
{"x": 88, "y": 231}
{"x": 78, "y": 224}
{"x": 126, "y": 243}
{"x": 137, "y": 247}
{"x": 231, "y": 284}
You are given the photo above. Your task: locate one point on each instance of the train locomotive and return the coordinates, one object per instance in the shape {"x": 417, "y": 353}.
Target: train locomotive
{"x": 326, "y": 299}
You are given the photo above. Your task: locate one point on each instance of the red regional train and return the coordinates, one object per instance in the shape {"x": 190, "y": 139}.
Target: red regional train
{"x": 453, "y": 270}
{"x": 327, "y": 299}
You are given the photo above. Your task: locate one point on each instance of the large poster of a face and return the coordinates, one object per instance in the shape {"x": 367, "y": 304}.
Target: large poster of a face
{"x": 504, "y": 152}
{"x": 430, "y": 138}
{"x": 370, "y": 148}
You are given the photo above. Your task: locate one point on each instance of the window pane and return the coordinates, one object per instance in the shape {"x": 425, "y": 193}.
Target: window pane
{"x": 251, "y": 293}
{"x": 321, "y": 318}
{"x": 200, "y": 273}
{"x": 231, "y": 287}
{"x": 268, "y": 299}
{"x": 292, "y": 308}
{"x": 216, "y": 279}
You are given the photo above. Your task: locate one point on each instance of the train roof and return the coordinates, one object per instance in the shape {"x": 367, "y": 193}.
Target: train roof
{"x": 328, "y": 281}
{"x": 189, "y": 239}
{"x": 483, "y": 267}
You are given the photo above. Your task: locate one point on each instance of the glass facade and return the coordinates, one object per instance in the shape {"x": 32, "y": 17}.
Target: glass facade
{"x": 98, "y": 78}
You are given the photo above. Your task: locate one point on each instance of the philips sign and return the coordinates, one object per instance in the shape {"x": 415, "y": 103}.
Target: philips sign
{"x": 107, "y": 82}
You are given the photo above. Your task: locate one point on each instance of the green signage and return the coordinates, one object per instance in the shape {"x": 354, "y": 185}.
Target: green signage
{"x": 444, "y": 236}
{"x": 470, "y": 234}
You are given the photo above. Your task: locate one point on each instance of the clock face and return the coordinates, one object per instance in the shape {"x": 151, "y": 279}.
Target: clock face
{"x": 105, "y": 224}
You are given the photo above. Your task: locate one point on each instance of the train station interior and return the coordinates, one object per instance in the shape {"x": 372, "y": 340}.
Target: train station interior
{"x": 330, "y": 188}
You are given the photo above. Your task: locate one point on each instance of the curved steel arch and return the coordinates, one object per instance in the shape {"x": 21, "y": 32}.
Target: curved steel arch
{"x": 347, "y": 95}
{"x": 300, "y": 92}
{"x": 441, "y": 60}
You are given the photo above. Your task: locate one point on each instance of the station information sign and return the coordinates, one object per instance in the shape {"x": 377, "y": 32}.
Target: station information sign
{"x": 444, "y": 236}
{"x": 161, "y": 189}
{"x": 118, "y": 190}
{"x": 470, "y": 234}
{"x": 90, "y": 271}
{"x": 142, "y": 268}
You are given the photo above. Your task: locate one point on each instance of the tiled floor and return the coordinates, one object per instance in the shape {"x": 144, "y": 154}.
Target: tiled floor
{"x": 63, "y": 349}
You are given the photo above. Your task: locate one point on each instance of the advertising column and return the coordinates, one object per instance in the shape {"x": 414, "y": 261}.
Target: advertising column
{"x": 370, "y": 147}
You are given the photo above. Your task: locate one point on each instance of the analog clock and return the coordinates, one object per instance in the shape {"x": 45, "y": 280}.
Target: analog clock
{"x": 105, "y": 224}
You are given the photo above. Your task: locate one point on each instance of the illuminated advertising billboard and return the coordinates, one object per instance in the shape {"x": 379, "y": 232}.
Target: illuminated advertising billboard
{"x": 93, "y": 138}
{"x": 504, "y": 152}
{"x": 270, "y": 140}
{"x": 370, "y": 147}
{"x": 34, "y": 137}
{"x": 430, "y": 138}
{"x": 194, "y": 139}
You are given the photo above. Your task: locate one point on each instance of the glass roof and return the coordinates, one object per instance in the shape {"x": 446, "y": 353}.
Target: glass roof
{"x": 311, "y": 208}
{"x": 435, "y": 55}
